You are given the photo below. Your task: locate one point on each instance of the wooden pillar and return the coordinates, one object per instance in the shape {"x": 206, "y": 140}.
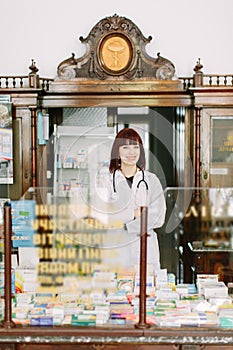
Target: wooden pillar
{"x": 7, "y": 322}
{"x": 143, "y": 262}
{"x": 34, "y": 179}
{"x": 197, "y": 153}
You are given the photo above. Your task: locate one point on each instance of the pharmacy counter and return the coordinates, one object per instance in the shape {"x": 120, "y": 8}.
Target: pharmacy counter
{"x": 70, "y": 338}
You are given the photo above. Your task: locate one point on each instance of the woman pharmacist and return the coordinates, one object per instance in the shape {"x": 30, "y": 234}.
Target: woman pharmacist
{"x": 128, "y": 187}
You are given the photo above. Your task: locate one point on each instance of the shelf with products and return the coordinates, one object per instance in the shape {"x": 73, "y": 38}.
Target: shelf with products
{"x": 111, "y": 299}
{"x": 70, "y": 180}
{"x": 81, "y": 153}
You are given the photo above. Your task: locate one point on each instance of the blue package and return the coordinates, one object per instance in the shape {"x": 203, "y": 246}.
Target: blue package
{"x": 23, "y": 215}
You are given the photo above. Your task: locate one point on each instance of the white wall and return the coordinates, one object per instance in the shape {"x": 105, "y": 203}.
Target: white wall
{"x": 181, "y": 30}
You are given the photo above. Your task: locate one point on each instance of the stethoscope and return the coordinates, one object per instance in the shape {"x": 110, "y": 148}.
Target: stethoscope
{"x": 142, "y": 181}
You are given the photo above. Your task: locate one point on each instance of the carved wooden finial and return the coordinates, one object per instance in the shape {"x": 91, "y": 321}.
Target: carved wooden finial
{"x": 198, "y": 75}
{"x": 32, "y": 76}
{"x": 33, "y": 67}
{"x": 198, "y": 66}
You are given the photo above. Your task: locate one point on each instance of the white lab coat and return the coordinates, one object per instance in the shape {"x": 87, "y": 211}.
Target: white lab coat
{"x": 121, "y": 205}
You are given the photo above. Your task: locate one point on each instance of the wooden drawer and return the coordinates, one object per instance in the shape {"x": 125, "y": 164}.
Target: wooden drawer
{"x": 98, "y": 347}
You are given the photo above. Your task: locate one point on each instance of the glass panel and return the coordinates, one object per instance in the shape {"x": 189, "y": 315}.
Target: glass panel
{"x": 204, "y": 217}
{"x": 2, "y": 202}
{"x": 6, "y": 141}
{"x": 221, "y": 152}
{"x": 76, "y": 268}
{"x": 6, "y": 145}
{"x": 222, "y": 139}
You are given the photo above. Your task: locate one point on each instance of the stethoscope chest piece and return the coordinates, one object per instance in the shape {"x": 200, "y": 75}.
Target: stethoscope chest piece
{"x": 114, "y": 195}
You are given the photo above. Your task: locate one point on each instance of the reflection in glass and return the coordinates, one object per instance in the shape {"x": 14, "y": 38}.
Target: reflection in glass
{"x": 72, "y": 274}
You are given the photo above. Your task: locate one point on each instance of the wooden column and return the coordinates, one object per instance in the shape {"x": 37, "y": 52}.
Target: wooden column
{"x": 143, "y": 262}
{"x": 7, "y": 322}
{"x": 34, "y": 179}
{"x": 197, "y": 152}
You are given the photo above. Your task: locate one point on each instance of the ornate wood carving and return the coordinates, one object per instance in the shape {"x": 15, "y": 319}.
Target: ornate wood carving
{"x": 116, "y": 49}
{"x": 192, "y": 347}
{"x": 98, "y": 346}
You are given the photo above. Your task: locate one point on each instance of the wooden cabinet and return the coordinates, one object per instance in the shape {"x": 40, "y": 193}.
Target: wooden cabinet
{"x": 96, "y": 346}
{"x": 197, "y": 112}
{"x": 213, "y": 261}
{"x": 217, "y": 147}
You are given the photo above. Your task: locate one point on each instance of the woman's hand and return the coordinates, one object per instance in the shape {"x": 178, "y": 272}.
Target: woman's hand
{"x": 137, "y": 213}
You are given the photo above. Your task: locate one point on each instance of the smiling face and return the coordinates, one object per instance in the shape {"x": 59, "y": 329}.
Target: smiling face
{"x": 129, "y": 154}
{"x": 128, "y": 148}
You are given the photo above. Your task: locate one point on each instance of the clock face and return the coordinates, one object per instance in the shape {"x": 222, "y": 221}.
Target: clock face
{"x": 115, "y": 53}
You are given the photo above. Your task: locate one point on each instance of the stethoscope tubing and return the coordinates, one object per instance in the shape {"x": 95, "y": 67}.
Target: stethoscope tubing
{"x": 138, "y": 185}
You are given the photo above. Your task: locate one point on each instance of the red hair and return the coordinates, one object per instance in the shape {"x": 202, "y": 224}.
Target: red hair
{"x": 126, "y": 136}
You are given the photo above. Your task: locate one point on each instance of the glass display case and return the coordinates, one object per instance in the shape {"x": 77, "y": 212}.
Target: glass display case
{"x": 75, "y": 270}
